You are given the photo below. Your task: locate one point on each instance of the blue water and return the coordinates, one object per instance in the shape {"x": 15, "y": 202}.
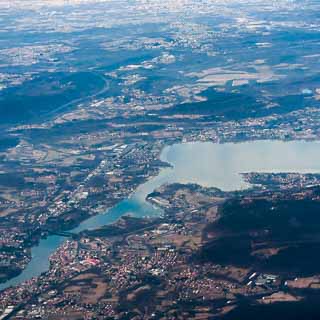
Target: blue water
{"x": 207, "y": 164}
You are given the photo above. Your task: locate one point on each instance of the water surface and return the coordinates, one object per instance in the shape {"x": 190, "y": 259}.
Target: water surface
{"x": 208, "y": 164}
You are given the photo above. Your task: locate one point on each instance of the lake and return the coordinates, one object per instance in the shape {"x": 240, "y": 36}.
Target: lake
{"x": 208, "y": 164}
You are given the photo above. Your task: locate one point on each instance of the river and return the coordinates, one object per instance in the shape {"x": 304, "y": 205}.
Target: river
{"x": 205, "y": 163}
